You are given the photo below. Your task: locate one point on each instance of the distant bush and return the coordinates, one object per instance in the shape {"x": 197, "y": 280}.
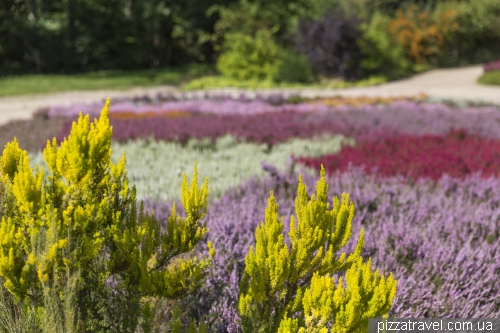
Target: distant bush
{"x": 421, "y": 33}
{"x": 250, "y": 57}
{"x": 477, "y": 39}
{"x": 248, "y": 17}
{"x": 457, "y": 154}
{"x": 382, "y": 54}
{"x": 294, "y": 68}
{"x": 331, "y": 44}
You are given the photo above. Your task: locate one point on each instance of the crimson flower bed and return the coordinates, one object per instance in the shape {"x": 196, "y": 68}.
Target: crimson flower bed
{"x": 457, "y": 154}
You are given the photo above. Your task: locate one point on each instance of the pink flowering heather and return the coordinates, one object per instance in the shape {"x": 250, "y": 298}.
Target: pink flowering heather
{"x": 492, "y": 66}
{"x": 367, "y": 123}
{"x": 218, "y": 104}
{"x": 269, "y": 128}
{"x": 204, "y": 106}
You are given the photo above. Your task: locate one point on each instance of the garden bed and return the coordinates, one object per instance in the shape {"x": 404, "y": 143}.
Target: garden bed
{"x": 430, "y": 209}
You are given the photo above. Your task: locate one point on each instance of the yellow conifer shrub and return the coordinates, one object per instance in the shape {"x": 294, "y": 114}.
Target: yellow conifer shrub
{"x": 280, "y": 282}
{"x": 76, "y": 243}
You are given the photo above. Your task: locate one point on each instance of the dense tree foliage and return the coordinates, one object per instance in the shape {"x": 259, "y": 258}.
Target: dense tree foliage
{"x": 54, "y": 36}
{"x": 68, "y": 36}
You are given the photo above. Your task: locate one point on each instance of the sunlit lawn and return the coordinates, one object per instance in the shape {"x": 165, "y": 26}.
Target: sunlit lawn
{"x": 490, "y": 78}
{"x": 190, "y": 77}
{"x": 110, "y": 80}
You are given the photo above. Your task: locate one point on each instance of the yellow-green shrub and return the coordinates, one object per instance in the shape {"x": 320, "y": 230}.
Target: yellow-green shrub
{"x": 248, "y": 57}
{"x": 382, "y": 54}
{"x": 76, "y": 244}
{"x": 280, "y": 281}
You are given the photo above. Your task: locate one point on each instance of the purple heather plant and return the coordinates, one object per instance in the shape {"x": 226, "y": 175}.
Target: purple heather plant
{"x": 219, "y": 107}
{"x": 245, "y": 104}
{"x": 401, "y": 117}
{"x": 492, "y": 66}
{"x": 371, "y": 122}
{"x": 440, "y": 240}
{"x": 268, "y": 128}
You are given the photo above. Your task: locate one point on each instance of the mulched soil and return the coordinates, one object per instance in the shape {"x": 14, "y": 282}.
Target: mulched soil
{"x": 31, "y": 134}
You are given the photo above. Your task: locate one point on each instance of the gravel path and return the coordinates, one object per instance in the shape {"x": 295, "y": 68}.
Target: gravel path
{"x": 457, "y": 83}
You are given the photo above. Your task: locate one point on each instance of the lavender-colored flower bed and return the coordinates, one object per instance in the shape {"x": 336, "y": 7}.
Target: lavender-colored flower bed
{"x": 441, "y": 241}
{"x": 237, "y": 103}
{"x": 218, "y": 103}
{"x": 492, "y": 66}
{"x": 205, "y": 106}
{"x": 247, "y": 107}
{"x": 368, "y": 122}
{"x": 268, "y": 128}
{"x": 402, "y": 117}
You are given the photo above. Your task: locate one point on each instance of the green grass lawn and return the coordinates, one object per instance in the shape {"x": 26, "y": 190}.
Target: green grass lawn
{"x": 190, "y": 77}
{"x": 115, "y": 80}
{"x": 490, "y": 78}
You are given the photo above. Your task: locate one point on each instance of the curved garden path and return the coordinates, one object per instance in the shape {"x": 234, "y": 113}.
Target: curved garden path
{"x": 455, "y": 83}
